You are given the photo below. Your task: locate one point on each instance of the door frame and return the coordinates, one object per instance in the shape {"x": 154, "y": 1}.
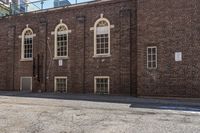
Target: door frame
{"x": 21, "y": 82}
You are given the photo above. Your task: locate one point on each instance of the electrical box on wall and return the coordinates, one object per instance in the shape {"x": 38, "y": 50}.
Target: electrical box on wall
{"x": 60, "y": 62}
{"x": 178, "y": 56}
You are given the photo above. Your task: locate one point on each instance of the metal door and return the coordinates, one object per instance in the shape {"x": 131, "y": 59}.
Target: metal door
{"x": 26, "y": 83}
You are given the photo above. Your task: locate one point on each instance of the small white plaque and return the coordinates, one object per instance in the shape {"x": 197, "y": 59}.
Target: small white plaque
{"x": 178, "y": 56}
{"x": 60, "y": 62}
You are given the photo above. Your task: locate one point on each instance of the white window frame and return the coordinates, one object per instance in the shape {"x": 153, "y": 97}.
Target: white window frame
{"x": 55, "y": 41}
{"x": 21, "y": 82}
{"x": 147, "y": 53}
{"x": 22, "y": 44}
{"x": 95, "y": 37}
{"x": 100, "y": 77}
{"x": 55, "y": 82}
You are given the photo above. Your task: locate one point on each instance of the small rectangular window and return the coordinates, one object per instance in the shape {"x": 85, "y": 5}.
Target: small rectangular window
{"x": 101, "y": 84}
{"x": 152, "y": 57}
{"x": 60, "y": 84}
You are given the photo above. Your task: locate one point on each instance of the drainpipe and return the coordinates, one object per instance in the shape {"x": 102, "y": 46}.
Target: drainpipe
{"x": 46, "y": 37}
{"x": 84, "y": 57}
{"x": 131, "y": 43}
{"x": 136, "y": 43}
{"x": 13, "y": 67}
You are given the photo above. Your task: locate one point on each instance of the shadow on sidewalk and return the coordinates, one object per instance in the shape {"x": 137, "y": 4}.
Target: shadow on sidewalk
{"x": 148, "y": 103}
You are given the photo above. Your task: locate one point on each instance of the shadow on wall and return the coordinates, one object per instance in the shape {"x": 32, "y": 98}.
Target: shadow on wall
{"x": 148, "y": 103}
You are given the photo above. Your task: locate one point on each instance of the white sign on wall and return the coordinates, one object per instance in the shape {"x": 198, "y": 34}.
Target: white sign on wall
{"x": 178, "y": 56}
{"x": 60, "y": 62}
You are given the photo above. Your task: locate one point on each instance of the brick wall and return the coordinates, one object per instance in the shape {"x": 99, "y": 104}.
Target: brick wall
{"x": 81, "y": 67}
{"x": 172, "y": 26}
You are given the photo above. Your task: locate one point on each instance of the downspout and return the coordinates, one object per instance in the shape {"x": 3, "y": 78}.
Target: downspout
{"x": 131, "y": 43}
{"x": 45, "y": 81}
{"x": 136, "y": 43}
{"x": 14, "y": 43}
{"x": 84, "y": 57}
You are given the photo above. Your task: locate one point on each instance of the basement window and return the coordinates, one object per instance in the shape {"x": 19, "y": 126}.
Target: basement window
{"x": 152, "y": 57}
{"x": 101, "y": 85}
{"x": 60, "y": 84}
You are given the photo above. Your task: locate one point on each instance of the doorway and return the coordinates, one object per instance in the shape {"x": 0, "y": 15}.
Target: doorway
{"x": 26, "y": 84}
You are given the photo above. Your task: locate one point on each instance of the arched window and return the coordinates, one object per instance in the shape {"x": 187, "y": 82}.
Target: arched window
{"x": 61, "y": 41}
{"x": 102, "y": 37}
{"x": 27, "y": 44}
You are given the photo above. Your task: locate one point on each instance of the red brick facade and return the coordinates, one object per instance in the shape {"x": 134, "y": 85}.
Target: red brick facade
{"x": 172, "y": 26}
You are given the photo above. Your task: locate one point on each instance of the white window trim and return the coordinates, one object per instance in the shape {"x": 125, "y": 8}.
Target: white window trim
{"x": 21, "y": 82}
{"x": 55, "y": 41}
{"x": 59, "y": 77}
{"x": 22, "y": 44}
{"x": 95, "y": 35}
{"x": 99, "y": 77}
{"x": 156, "y": 57}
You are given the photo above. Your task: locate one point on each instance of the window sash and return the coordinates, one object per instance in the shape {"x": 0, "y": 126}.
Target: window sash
{"x": 61, "y": 84}
{"x": 102, "y": 85}
{"x": 28, "y": 48}
{"x": 102, "y": 44}
{"x": 62, "y": 45}
{"x": 151, "y": 57}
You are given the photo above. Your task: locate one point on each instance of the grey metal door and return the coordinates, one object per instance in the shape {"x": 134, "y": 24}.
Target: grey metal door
{"x": 26, "y": 83}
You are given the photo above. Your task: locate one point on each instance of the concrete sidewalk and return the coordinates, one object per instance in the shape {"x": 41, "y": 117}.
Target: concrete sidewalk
{"x": 173, "y": 104}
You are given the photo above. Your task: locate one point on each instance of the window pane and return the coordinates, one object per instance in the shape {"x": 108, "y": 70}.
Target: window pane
{"x": 152, "y": 57}
{"x": 61, "y": 85}
{"x": 28, "y": 42}
{"x": 102, "y": 85}
{"x": 154, "y": 50}
{"x": 62, "y": 44}
{"x": 102, "y": 42}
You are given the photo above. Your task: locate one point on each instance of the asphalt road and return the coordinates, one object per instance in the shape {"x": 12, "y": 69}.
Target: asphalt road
{"x": 50, "y": 115}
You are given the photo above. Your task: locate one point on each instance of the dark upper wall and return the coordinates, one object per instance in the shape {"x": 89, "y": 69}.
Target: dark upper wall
{"x": 172, "y": 26}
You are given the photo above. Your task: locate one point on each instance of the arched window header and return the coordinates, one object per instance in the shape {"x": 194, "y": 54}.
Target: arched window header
{"x": 101, "y": 22}
{"x": 61, "y": 27}
{"x": 27, "y": 32}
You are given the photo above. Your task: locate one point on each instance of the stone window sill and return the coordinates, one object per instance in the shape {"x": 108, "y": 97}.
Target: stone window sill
{"x": 24, "y": 60}
{"x": 102, "y": 56}
{"x": 60, "y": 58}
